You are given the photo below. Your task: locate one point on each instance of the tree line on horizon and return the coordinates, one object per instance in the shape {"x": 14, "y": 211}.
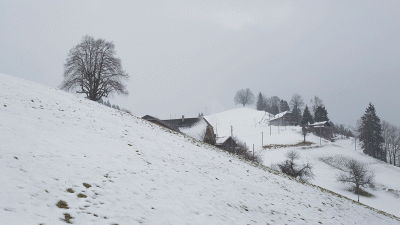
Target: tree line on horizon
{"x": 275, "y": 105}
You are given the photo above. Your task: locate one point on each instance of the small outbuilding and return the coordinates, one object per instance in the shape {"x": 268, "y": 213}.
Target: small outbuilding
{"x": 226, "y": 143}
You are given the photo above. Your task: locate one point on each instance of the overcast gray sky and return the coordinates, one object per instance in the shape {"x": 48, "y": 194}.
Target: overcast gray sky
{"x": 187, "y": 57}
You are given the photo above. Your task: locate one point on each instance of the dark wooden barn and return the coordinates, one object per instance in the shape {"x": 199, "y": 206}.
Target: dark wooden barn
{"x": 226, "y": 143}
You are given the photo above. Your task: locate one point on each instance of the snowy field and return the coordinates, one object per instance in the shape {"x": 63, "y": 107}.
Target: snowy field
{"x": 110, "y": 167}
{"x": 327, "y": 159}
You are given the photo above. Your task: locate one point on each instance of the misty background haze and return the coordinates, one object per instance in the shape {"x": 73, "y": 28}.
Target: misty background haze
{"x": 187, "y": 57}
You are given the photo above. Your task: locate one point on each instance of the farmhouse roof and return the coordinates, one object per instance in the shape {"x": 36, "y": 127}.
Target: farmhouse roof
{"x": 320, "y": 124}
{"x": 221, "y": 140}
{"x": 182, "y": 123}
{"x": 160, "y": 122}
{"x": 280, "y": 115}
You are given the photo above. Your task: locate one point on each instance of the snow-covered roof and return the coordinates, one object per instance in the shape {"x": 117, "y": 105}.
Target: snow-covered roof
{"x": 323, "y": 123}
{"x": 279, "y": 115}
{"x": 196, "y": 130}
{"x": 221, "y": 140}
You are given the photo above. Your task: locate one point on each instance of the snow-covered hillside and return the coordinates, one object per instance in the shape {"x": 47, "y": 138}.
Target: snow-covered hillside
{"x": 328, "y": 162}
{"x": 113, "y": 168}
{"x": 327, "y": 159}
{"x": 251, "y": 126}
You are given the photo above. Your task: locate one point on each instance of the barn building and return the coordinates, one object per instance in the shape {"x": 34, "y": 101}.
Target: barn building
{"x": 283, "y": 119}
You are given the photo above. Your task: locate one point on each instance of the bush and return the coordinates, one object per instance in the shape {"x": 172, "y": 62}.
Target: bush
{"x": 290, "y": 168}
{"x": 243, "y": 151}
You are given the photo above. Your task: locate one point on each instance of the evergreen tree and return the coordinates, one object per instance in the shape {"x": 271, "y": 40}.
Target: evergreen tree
{"x": 307, "y": 117}
{"x": 272, "y": 105}
{"x": 370, "y": 134}
{"x": 321, "y": 114}
{"x": 267, "y": 108}
{"x": 260, "y": 102}
{"x": 283, "y": 106}
{"x": 274, "y": 109}
{"x": 297, "y": 114}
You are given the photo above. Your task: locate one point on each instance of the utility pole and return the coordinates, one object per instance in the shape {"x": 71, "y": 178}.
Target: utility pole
{"x": 253, "y": 151}
{"x": 355, "y": 143}
{"x": 262, "y": 140}
{"x": 283, "y": 120}
{"x": 320, "y": 129}
{"x": 269, "y": 115}
{"x": 231, "y": 138}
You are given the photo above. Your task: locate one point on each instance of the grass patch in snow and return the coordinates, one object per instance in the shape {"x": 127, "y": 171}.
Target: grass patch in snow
{"x": 311, "y": 147}
{"x": 67, "y": 218}
{"x": 338, "y": 162}
{"x": 362, "y": 192}
{"x": 81, "y": 195}
{"x": 396, "y": 193}
{"x": 87, "y": 185}
{"x": 70, "y": 190}
{"x": 62, "y": 204}
{"x": 275, "y": 146}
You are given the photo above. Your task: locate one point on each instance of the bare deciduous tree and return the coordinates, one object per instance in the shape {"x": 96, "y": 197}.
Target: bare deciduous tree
{"x": 357, "y": 174}
{"x": 92, "y": 68}
{"x": 297, "y": 103}
{"x": 391, "y": 144}
{"x": 244, "y": 97}
{"x": 315, "y": 103}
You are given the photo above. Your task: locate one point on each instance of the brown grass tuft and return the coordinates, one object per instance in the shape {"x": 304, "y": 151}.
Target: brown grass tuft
{"x": 62, "y": 204}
